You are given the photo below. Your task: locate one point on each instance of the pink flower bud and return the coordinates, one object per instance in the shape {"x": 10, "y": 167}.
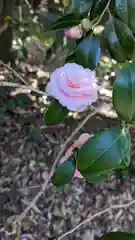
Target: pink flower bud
{"x": 78, "y": 174}
{"x": 74, "y": 32}
{"x": 81, "y": 140}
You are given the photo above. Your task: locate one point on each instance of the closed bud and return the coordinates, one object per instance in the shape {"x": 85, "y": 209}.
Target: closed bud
{"x": 98, "y": 30}
{"x": 74, "y": 32}
{"x": 86, "y": 24}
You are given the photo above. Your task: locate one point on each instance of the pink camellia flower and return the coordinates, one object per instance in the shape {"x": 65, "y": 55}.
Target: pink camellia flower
{"x": 74, "y": 32}
{"x": 73, "y": 86}
{"x": 77, "y": 144}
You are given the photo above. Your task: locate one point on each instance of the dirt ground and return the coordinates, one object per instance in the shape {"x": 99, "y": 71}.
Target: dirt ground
{"x": 28, "y": 147}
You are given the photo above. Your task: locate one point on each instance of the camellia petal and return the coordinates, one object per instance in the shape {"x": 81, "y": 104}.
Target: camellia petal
{"x": 73, "y": 86}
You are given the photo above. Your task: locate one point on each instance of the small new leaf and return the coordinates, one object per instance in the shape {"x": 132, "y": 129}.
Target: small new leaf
{"x": 64, "y": 173}
{"x": 55, "y": 113}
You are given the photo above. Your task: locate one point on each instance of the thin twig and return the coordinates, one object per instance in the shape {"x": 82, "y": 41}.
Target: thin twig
{"x": 20, "y": 13}
{"x": 28, "y": 4}
{"x": 63, "y": 148}
{"x": 127, "y": 205}
{"x": 14, "y": 72}
{"x": 18, "y": 85}
{"x": 101, "y": 16}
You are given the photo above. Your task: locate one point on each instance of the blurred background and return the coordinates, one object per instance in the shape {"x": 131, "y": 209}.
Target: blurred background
{"x": 28, "y": 147}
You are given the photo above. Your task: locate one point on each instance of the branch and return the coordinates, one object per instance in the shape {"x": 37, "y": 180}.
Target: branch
{"x": 14, "y": 72}
{"x": 18, "y": 85}
{"x": 28, "y": 4}
{"x": 63, "y": 148}
{"x": 127, "y": 205}
{"x": 101, "y": 16}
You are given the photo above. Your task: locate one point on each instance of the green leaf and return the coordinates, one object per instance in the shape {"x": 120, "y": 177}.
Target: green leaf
{"x": 121, "y": 10}
{"x": 55, "y": 113}
{"x": 94, "y": 178}
{"x": 126, "y": 150}
{"x": 119, "y": 40}
{"x": 118, "y": 236}
{"x": 131, "y": 8}
{"x": 81, "y": 8}
{"x": 125, "y": 11}
{"x": 104, "y": 152}
{"x": 124, "y": 93}
{"x": 66, "y": 21}
{"x": 64, "y": 172}
{"x": 88, "y": 52}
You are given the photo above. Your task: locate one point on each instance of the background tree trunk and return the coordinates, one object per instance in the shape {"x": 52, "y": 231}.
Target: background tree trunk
{"x": 5, "y": 34}
{"x": 6, "y": 7}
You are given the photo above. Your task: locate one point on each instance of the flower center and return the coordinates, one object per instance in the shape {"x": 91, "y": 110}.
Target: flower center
{"x": 73, "y": 85}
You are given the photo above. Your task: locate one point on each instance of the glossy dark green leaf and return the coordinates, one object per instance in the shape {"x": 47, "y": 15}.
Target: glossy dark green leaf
{"x": 66, "y": 21}
{"x": 119, "y": 40}
{"x": 55, "y": 113}
{"x": 88, "y": 52}
{"x": 131, "y": 7}
{"x": 121, "y": 10}
{"x": 125, "y": 11}
{"x": 118, "y": 236}
{"x": 81, "y": 8}
{"x": 104, "y": 152}
{"x": 97, "y": 8}
{"x": 64, "y": 172}
{"x": 124, "y": 93}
